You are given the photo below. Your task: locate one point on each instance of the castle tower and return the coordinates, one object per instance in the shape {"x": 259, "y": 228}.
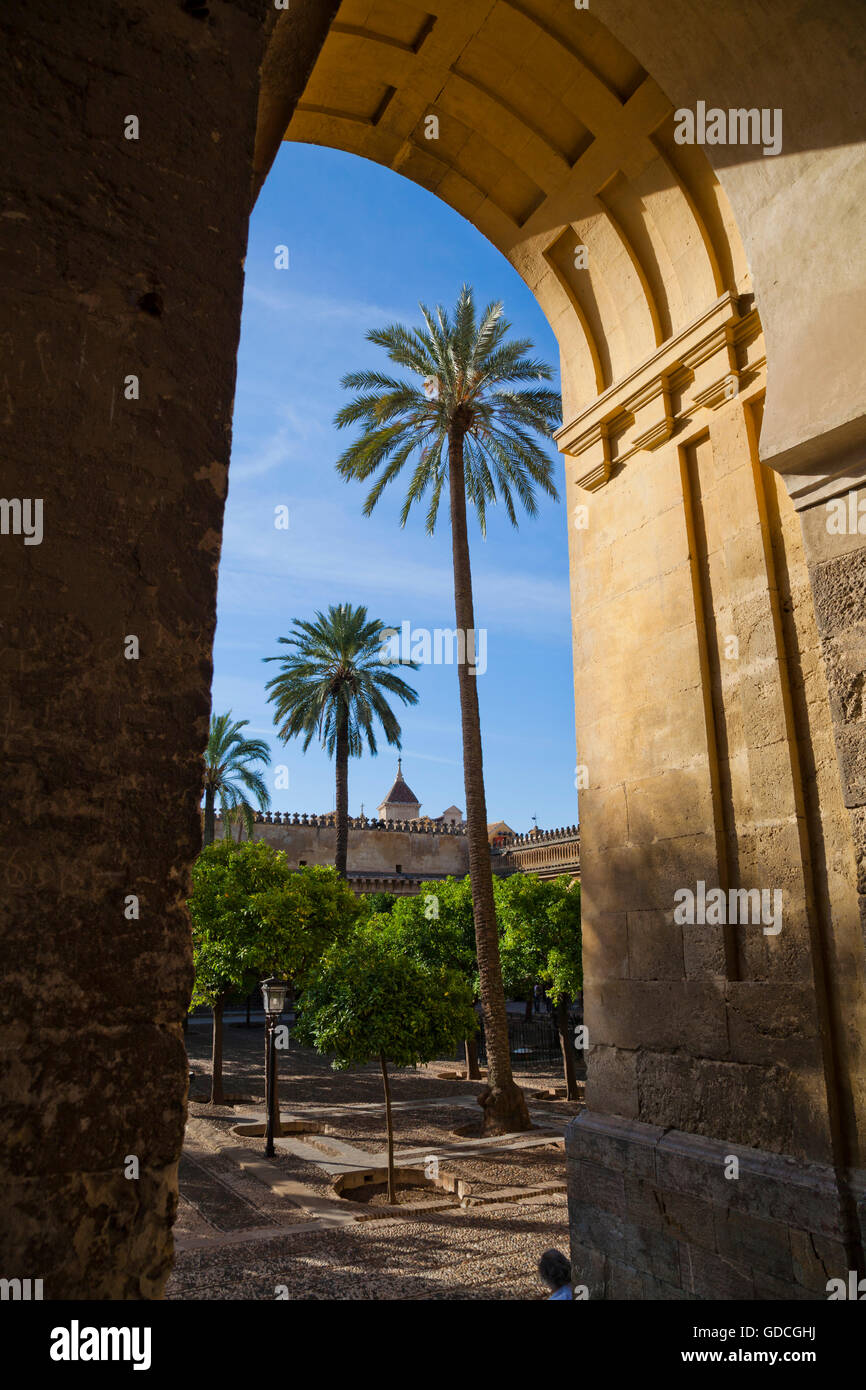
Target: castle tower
{"x": 401, "y": 802}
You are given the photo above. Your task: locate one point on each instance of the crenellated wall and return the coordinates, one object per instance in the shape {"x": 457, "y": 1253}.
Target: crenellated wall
{"x": 376, "y": 848}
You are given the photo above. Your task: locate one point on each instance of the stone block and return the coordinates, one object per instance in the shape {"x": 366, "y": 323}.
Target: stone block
{"x": 656, "y": 1290}
{"x": 752, "y": 1243}
{"x": 613, "y": 1142}
{"x": 709, "y": 1276}
{"x": 655, "y": 946}
{"x": 770, "y": 1186}
{"x": 816, "y": 1259}
{"x": 628, "y": 1244}
{"x": 588, "y": 1267}
{"x": 597, "y": 1186}
{"x": 685, "y": 1218}
{"x": 661, "y": 1014}
{"x": 611, "y": 1080}
{"x": 771, "y": 1023}
{"x": 624, "y": 1284}
{"x": 746, "y": 1103}
{"x": 605, "y": 945}
{"x": 838, "y": 586}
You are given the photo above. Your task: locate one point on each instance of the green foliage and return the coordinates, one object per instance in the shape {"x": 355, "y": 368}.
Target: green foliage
{"x": 302, "y": 917}
{"x": 334, "y": 677}
{"x": 468, "y": 379}
{"x": 437, "y": 926}
{"x": 540, "y": 934}
{"x": 253, "y": 916}
{"x": 229, "y": 775}
{"x": 368, "y": 998}
{"x": 379, "y": 902}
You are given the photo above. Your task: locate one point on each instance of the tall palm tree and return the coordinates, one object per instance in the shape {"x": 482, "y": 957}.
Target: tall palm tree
{"x": 469, "y": 420}
{"x": 331, "y": 687}
{"x": 229, "y": 774}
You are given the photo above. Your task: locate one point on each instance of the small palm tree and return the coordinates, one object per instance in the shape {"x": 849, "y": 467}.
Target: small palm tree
{"x": 331, "y": 687}
{"x": 467, "y": 422}
{"x": 229, "y": 774}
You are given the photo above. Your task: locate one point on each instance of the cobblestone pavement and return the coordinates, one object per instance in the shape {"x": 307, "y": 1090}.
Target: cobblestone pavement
{"x": 252, "y": 1228}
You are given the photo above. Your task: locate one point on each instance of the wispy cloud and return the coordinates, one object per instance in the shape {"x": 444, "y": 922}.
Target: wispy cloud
{"x": 429, "y": 757}
{"x": 320, "y": 308}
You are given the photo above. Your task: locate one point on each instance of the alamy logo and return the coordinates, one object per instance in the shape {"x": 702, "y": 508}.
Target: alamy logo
{"x": 739, "y": 906}
{"x": 76, "y": 1343}
{"x": 441, "y": 647}
{"x": 22, "y": 516}
{"x": 846, "y": 516}
{"x": 736, "y": 126}
{"x": 856, "y": 1288}
{"x": 20, "y": 1290}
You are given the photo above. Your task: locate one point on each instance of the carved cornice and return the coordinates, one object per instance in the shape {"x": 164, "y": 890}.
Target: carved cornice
{"x": 700, "y": 368}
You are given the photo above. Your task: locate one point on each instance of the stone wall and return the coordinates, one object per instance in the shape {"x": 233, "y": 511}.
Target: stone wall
{"x": 547, "y": 853}
{"x": 372, "y": 851}
{"x": 692, "y": 587}
{"x": 837, "y": 567}
{"x": 122, "y": 258}
{"x": 660, "y": 1214}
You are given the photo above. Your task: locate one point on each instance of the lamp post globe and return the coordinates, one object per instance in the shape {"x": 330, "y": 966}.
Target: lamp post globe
{"x": 274, "y": 993}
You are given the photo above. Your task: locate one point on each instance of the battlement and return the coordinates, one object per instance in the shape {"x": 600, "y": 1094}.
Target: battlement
{"x": 417, "y": 827}
{"x": 542, "y": 837}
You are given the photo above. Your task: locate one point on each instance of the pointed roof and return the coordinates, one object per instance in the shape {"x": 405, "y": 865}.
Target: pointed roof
{"x": 400, "y": 794}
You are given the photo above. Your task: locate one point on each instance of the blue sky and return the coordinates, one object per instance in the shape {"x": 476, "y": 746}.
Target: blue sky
{"x": 365, "y": 245}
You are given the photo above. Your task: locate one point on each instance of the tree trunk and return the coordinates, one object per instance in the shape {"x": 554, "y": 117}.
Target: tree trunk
{"x": 217, "y": 1095}
{"x": 392, "y": 1190}
{"x": 473, "y": 1071}
{"x": 527, "y": 1016}
{"x": 209, "y": 816}
{"x": 342, "y": 762}
{"x": 502, "y": 1100}
{"x": 566, "y": 1046}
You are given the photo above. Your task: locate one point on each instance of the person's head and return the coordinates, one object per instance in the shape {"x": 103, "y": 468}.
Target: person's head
{"x": 554, "y": 1269}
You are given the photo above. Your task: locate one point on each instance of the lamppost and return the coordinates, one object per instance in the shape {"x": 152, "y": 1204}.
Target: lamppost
{"x": 274, "y": 996}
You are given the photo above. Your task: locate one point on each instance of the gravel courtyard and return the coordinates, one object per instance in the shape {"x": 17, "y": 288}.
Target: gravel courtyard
{"x": 251, "y": 1228}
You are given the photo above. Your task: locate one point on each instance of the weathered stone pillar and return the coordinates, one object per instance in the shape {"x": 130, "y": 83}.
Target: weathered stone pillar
{"x": 834, "y": 532}
{"x": 124, "y": 240}
{"x": 722, "y": 1148}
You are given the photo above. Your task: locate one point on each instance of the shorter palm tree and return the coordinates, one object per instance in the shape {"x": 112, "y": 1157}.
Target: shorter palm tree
{"x": 331, "y": 687}
{"x": 229, "y": 774}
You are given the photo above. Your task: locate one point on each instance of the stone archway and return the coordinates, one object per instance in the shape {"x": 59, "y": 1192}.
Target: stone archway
{"x": 692, "y": 581}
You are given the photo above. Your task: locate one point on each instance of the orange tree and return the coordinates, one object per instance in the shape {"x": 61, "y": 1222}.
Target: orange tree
{"x": 437, "y": 926}
{"x": 252, "y": 916}
{"x": 541, "y": 942}
{"x": 369, "y": 1000}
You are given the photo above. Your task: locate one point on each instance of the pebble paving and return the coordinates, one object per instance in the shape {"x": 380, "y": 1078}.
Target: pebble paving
{"x": 250, "y": 1228}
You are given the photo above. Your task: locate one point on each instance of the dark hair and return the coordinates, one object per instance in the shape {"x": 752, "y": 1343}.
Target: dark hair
{"x": 554, "y": 1269}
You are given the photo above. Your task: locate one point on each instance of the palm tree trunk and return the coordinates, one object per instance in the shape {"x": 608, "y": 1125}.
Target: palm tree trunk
{"x": 470, "y": 1048}
{"x": 209, "y": 816}
{"x": 342, "y": 762}
{"x": 217, "y": 1096}
{"x": 566, "y": 1047}
{"x": 502, "y": 1100}
{"x": 389, "y": 1122}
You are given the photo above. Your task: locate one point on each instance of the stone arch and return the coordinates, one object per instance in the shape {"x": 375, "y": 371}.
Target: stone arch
{"x": 550, "y": 138}
{"x": 555, "y": 133}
